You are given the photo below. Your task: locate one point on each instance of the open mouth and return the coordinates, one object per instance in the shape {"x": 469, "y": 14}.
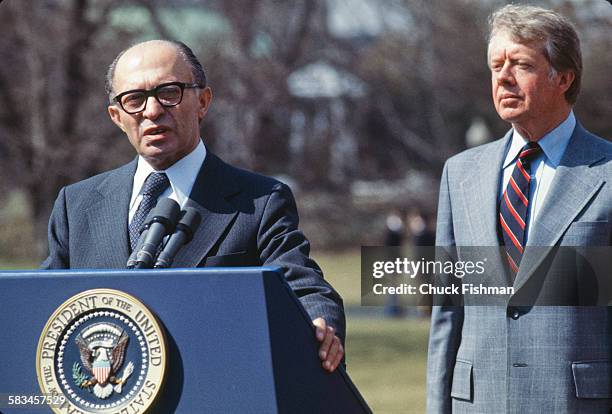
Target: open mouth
{"x": 152, "y": 131}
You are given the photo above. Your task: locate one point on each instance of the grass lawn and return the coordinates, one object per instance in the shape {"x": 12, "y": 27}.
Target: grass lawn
{"x": 386, "y": 357}
{"x": 343, "y": 271}
{"x": 16, "y": 265}
{"x": 387, "y": 360}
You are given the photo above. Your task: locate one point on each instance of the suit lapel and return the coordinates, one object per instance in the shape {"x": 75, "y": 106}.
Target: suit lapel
{"x": 209, "y": 195}
{"x": 572, "y": 188}
{"x": 480, "y": 197}
{"x": 109, "y": 216}
{"x": 480, "y": 193}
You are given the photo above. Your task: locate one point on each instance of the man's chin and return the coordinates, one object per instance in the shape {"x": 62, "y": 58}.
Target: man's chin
{"x": 157, "y": 159}
{"x": 510, "y": 114}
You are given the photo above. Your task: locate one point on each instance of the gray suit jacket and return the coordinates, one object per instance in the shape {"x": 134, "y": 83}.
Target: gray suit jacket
{"x": 524, "y": 359}
{"x": 247, "y": 220}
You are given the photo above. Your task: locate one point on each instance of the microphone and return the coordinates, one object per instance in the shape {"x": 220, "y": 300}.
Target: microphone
{"x": 143, "y": 234}
{"x": 164, "y": 217}
{"x": 185, "y": 228}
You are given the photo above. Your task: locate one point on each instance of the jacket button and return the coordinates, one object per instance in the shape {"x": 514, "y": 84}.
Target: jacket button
{"x": 514, "y": 313}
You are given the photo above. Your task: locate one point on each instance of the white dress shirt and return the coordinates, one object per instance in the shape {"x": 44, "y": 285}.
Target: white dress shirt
{"x": 543, "y": 167}
{"x": 182, "y": 175}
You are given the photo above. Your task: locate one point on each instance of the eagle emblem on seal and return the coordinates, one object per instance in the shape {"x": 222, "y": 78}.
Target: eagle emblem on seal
{"x": 102, "y": 349}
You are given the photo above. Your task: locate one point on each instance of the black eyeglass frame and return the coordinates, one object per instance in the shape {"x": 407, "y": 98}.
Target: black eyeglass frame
{"x": 154, "y": 92}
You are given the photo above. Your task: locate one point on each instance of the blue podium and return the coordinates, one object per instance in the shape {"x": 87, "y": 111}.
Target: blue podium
{"x": 233, "y": 340}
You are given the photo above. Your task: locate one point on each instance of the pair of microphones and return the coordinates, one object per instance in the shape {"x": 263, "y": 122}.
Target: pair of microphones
{"x": 165, "y": 219}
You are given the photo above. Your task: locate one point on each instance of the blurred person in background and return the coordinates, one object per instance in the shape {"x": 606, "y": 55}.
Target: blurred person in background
{"x": 423, "y": 239}
{"x": 394, "y": 238}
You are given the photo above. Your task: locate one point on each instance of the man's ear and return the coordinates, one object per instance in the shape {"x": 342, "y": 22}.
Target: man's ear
{"x": 115, "y": 116}
{"x": 565, "y": 80}
{"x": 205, "y": 99}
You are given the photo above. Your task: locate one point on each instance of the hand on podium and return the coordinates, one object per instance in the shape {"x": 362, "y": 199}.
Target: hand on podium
{"x": 331, "y": 350}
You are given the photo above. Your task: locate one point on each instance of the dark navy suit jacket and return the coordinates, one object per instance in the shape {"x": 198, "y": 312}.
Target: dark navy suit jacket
{"x": 247, "y": 220}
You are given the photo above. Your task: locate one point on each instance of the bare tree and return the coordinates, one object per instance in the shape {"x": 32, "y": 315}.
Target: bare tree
{"x": 423, "y": 82}
{"x": 52, "y": 126}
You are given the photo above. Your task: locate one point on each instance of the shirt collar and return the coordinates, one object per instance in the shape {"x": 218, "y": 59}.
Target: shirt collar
{"x": 182, "y": 174}
{"x": 553, "y": 144}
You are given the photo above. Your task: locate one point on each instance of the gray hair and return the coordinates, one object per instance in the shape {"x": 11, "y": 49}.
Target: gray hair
{"x": 561, "y": 45}
{"x": 199, "y": 75}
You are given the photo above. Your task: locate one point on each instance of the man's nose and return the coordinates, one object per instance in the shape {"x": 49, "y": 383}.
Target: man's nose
{"x": 153, "y": 108}
{"x": 505, "y": 75}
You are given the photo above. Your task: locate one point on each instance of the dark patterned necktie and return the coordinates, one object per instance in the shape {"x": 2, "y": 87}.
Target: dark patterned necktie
{"x": 514, "y": 206}
{"x": 154, "y": 185}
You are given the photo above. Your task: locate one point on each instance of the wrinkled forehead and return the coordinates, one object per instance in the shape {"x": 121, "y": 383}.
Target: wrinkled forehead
{"x": 508, "y": 40}
{"x": 146, "y": 65}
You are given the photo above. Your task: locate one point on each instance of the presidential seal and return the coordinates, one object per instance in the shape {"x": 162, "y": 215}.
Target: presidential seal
{"x": 104, "y": 351}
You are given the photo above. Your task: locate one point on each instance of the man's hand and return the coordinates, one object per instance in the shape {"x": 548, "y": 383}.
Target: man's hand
{"x": 331, "y": 350}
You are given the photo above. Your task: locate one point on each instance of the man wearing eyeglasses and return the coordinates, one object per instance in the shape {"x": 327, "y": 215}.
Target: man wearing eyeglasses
{"x": 158, "y": 97}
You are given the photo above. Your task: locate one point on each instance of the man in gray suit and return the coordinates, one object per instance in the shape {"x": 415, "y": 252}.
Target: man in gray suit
{"x": 158, "y": 97}
{"x": 543, "y": 186}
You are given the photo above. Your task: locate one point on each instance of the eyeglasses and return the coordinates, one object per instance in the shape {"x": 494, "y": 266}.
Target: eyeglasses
{"x": 167, "y": 94}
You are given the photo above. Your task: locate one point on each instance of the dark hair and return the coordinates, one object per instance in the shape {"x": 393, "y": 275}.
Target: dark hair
{"x": 199, "y": 75}
{"x": 556, "y": 32}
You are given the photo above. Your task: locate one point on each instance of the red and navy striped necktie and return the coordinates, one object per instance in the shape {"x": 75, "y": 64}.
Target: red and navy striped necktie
{"x": 515, "y": 205}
